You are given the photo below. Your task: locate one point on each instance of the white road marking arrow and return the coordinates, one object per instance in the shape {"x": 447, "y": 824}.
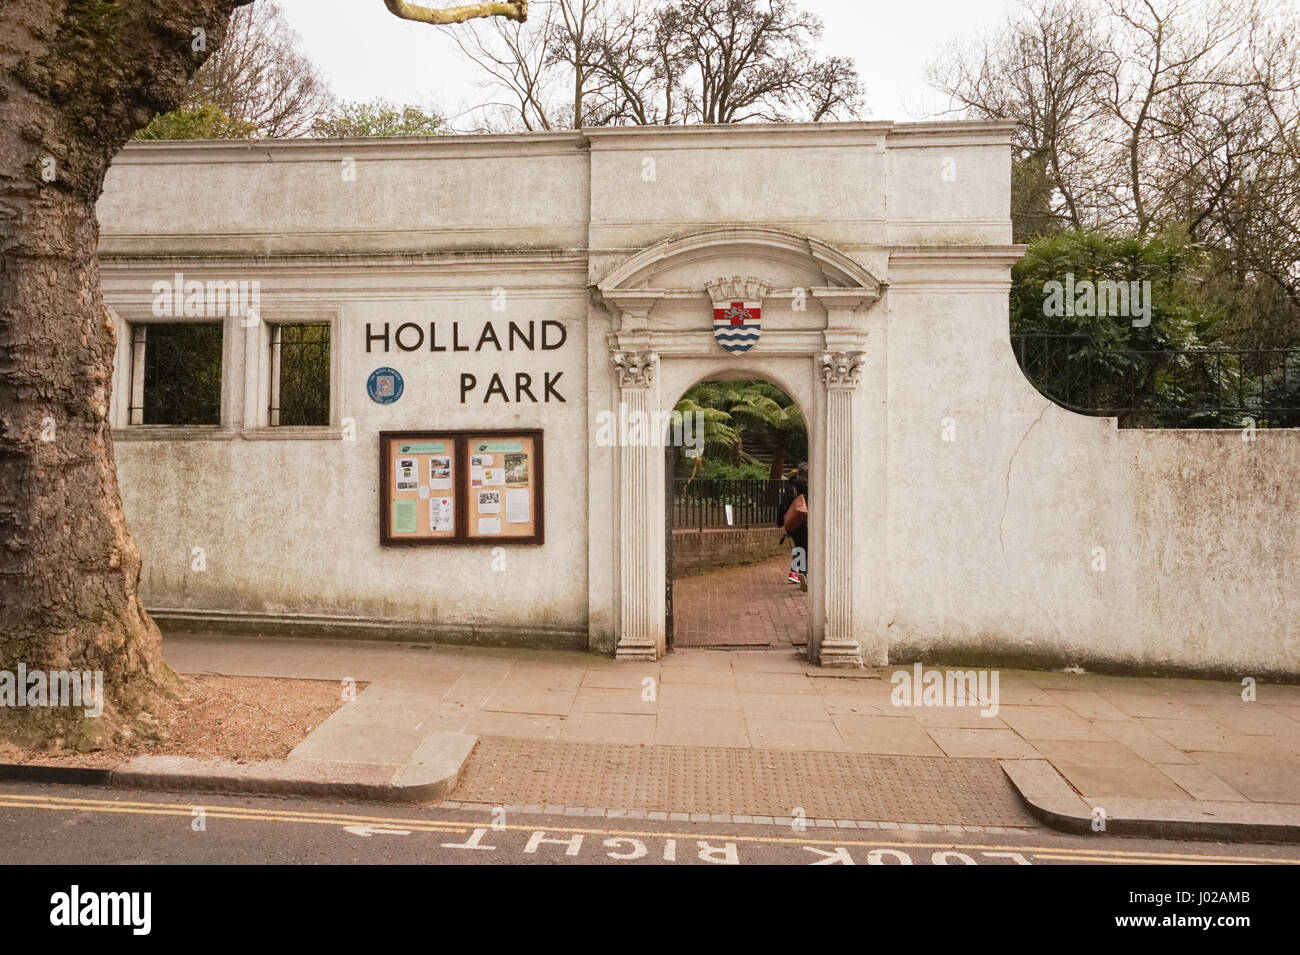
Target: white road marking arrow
{"x": 368, "y": 831}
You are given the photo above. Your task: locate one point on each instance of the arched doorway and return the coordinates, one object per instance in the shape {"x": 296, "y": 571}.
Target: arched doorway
{"x": 733, "y": 576}
{"x": 818, "y": 307}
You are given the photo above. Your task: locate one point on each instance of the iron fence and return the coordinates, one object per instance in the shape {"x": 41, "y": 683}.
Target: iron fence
{"x": 1165, "y": 388}
{"x": 701, "y": 503}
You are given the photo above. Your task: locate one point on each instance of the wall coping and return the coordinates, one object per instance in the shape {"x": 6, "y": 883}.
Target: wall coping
{"x": 568, "y": 141}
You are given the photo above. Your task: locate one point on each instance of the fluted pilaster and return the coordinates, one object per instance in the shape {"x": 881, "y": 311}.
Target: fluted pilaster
{"x": 640, "y": 581}
{"x": 839, "y": 646}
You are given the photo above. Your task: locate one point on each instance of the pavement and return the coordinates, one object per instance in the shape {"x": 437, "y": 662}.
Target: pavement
{"x": 760, "y": 737}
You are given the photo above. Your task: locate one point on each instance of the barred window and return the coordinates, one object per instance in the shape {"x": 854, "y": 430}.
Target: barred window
{"x": 300, "y": 375}
{"x": 176, "y": 373}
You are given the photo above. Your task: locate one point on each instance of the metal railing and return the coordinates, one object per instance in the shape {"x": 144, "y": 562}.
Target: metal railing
{"x": 1165, "y": 388}
{"x": 700, "y": 503}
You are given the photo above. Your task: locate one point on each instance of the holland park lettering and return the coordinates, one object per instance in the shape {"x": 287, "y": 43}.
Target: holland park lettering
{"x": 547, "y": 335}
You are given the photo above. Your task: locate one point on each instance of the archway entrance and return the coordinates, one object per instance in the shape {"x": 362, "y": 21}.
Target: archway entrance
{"x": 677, "y": 318}
{"x": 734, "y": 578}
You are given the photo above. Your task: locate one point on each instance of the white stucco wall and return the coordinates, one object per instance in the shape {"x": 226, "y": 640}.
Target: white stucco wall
{"x": 978, "y": 548}
{"x": 993, "y": 537}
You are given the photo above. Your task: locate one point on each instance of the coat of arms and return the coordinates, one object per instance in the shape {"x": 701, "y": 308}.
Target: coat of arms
{"x": 737, "y": 313}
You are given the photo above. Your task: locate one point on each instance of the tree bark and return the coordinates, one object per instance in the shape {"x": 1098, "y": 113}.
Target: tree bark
{"x": 77, "y": 78}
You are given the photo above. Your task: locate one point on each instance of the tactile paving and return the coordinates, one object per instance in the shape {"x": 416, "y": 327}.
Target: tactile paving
{"x": 919, "y": 789}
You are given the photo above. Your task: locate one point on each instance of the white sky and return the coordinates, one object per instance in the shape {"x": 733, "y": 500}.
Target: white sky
{"x": 367, "y": 53}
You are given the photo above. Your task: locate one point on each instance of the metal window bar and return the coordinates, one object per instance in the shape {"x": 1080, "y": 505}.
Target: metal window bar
{"x": 176, "y": 373}
{"x": 300, "y": 375}
{"x": 1165, "y": 388}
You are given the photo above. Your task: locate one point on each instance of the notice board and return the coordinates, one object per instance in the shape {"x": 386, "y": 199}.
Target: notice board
{"x": 460, "y": 487}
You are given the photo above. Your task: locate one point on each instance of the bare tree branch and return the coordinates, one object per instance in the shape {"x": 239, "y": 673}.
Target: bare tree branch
{"x": 510, "y": 9}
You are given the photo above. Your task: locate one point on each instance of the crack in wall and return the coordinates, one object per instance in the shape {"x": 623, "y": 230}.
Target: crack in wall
{"x": 1006, "y": 500}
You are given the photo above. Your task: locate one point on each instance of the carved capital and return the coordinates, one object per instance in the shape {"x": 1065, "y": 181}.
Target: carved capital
{"x": 842, "y": 369}
{"x": 738, "y": 288}
{"x": 636, "y": 369}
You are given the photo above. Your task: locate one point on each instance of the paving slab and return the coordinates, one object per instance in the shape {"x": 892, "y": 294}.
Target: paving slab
{"x": 1258, "y": 778}
{"x": 701, "y": 727}
{"x": 1139, "y": 739}
{"x": 1251, "y": 719}
{"x": 885, "y": 736}
{"x": 784, "y": 706}
{"x": 1089, "y": 704}
{"x": 544, "y": 703}
{"x": 963, "y": 743}
{"x": 1202, "y": 735}
{"x": 1275, "y": 693}
{"x": 687, "y": 658}
{"x": 606, "y": 700}
{"x": 714, "y": 676}
{"x": 341, "y": 742}
{"x": 846, "y": 704}
{"x": 399, "y": 709}
{"x": 760, "y": 682}
{"x": 1133, "y": 780}
{"x": 957, "y": 717}
{"x": 1049, "y": 723}
{"x": 624, "y": 678}
{"x": 607, "y": 728}
{"x": 1150, "y": 704}
{"x": 527, "y": 725}
{"x": 1109, "y": 753}
{"x": 1200, "y": 783}
{"x": 807, "y": 735}
{"x": 770, "y": 662}
{"x": 699, "y": 696}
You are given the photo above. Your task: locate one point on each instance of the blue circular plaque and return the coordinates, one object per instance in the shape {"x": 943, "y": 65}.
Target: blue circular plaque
{"x": 384, "y": 386}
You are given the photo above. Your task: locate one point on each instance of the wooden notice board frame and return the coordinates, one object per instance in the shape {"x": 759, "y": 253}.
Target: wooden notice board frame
{"x": 518, "y": 484}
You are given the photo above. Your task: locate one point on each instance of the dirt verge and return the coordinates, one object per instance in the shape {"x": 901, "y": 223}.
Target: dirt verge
{"x": 221, "y": 717}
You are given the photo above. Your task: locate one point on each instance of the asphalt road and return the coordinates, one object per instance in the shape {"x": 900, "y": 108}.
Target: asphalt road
{"x": 69, "y": 825}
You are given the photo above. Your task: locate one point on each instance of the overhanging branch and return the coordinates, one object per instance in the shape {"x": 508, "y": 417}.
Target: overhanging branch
{"x": 510, "y": 9}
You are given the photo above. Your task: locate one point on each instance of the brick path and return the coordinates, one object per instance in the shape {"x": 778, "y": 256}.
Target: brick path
{"x": 748, "y": 606}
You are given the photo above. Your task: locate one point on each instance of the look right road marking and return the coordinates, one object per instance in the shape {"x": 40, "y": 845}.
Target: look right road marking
{"x": 390, "y": 823}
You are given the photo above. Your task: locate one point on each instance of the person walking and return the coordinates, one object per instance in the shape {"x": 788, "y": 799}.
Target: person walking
{"x": 792, "y": 515}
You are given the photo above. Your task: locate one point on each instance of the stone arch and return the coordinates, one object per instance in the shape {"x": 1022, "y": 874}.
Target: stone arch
{"x": 772, "y": 246}
{"x": 731, "y": 370}
{"x": 815, "y": 302}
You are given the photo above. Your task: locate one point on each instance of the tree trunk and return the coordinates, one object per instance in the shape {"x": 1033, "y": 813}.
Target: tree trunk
{"x": 77, "y": 78}
{"x": 777, "y": 470}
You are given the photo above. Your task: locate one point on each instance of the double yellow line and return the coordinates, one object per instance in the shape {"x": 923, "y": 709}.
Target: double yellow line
{"x": 848, "y": 837}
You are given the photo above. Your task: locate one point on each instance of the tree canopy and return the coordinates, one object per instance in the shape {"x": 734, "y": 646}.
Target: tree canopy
{"x": 751, "y": 429}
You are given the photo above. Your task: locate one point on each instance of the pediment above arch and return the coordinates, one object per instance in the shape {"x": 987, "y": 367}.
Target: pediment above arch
{"x": 780, "y": 260}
